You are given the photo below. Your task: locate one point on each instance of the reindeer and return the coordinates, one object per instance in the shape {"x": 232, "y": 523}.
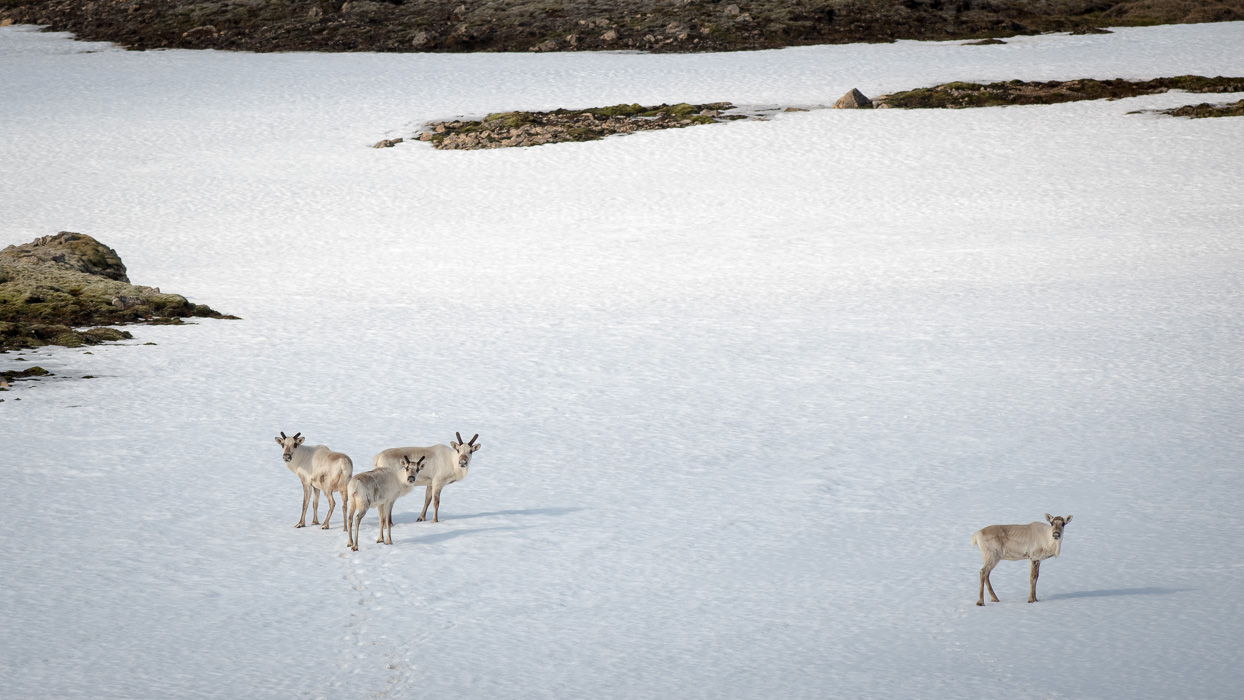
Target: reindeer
{"x": 445, "y": 466}
{"x": 1034, "y": 542}
{"x": 381, "y": 488}
{"x": 319, "y": 469}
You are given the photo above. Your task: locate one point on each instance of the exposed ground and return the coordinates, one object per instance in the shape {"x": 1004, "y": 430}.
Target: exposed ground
{"x": 958, "y": 95}
{"x": 56, "y": 283}
{"x": 507, "y": 129}
{"x": 30, "y": 373}
{"x": 570, "y": 25}
{"x": 517, "y": 129}
{"x": 1205, "y": 109}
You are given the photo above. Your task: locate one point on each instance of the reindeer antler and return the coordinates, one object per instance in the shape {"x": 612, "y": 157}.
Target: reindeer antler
{"x": 459, "y": 436}
{"x": 282, "y": 434}
{"x": 296, "y": 435}
{"x": 472, "y": 440}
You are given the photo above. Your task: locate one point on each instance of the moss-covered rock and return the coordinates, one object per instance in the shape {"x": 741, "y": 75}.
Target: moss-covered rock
{"x": 36, "y": 371}
{"x": 69, "y": 251}
{"x": 58, "y": 283}
{"x": 958, "y": 95}
{"x": 516, "y": 129}
{"x": 1205, "y": 110}
{"x": 101, "y": 334}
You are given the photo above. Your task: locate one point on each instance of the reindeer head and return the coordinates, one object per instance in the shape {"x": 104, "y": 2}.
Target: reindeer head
{"x": 464, "y": 450}
{"x": 1057, "y": 522}
{"x": 289, "y": 443}
{"x": 412, "y": 469}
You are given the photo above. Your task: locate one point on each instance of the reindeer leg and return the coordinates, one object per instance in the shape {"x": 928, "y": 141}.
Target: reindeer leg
{"x": 349, "y": 524}
{"x": 306, "y": 496}
{"x": 436, "y": 504}
{"x": 382, "y": 510}
{"x": 993, "y": 598}
{"x": 988, "y": 567}
{"x": 427, "y": 498}
{"x": 344, "y": 500}
{"x": 388, "y": 523}
{"x": 1033, "y": 571}
{"x": 315, "y": 507}
{"x": 358, "y": 520}
{"x": 331, "y": 505}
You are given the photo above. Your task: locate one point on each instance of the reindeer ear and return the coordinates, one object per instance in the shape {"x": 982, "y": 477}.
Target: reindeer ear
{"x": 300, "y": 440}
{"x": 1049, "y": 518}
{"x": 454, "y": 444}
{"x": 279, "y": 441}
{"x": 476, "y": 447}
{"x": 1067, "y": 519}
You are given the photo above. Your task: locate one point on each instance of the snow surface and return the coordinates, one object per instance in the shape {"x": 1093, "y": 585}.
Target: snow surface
{"x": 744, "y": 391}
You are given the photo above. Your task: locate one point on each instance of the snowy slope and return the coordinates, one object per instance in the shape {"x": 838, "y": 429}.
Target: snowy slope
{"x": 744, "y": 391}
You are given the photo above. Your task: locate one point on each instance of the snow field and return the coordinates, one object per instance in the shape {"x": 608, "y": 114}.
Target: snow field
{"x": 744, "y": 391}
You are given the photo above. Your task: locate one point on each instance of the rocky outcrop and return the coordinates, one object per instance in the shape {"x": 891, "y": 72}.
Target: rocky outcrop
{"x": 959, "y": 95}
{"x": 579, "y": 25}
{"x": 56, "y": 283}
{"x": 1207, "y": 109}
{"x": 517, "y": 129}
{"x": 68, "y": 251}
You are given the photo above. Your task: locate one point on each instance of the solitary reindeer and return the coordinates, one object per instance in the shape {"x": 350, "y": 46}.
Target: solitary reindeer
{"x": 445, "y": 466}
{"x": 380, "y": 488}
{"x": 1034, "y": 542}
{"x": 319, "y": 469}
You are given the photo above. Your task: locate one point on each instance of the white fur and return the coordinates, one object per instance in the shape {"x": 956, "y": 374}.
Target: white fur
{"x": 1035, "y": 542}
{"x": 319, "y": 469}
{"x": 381, "y": 488}
{"x": 444, "y": 465}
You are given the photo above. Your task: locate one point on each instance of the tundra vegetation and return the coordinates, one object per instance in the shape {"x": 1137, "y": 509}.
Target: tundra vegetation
{"x": 579, "y": 25}
{"x": 1205, "y": 109}
{"x": 508, "y": 129}
{"x": 12, "y": 375}
{"x": 513, "y": 129}
{"x": 959, "y": 95}
{"x": 55, "y": 285}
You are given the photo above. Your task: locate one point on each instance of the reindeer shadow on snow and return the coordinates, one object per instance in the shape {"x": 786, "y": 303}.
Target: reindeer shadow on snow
{"x": 412, "y": 517}
{"x": 437, "y": 538}
{"x": 1110, "y": 592}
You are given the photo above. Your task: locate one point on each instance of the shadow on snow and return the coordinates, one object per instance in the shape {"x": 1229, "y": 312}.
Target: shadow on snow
{"x": 441, "y": 537}
{"x": 1115, "y": 591}
{"x": 402, "y": 518}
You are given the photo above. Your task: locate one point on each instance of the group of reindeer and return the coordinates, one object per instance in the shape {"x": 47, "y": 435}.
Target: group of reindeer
{"x": 394, "y": 473}
{"x": 397, "y": 470}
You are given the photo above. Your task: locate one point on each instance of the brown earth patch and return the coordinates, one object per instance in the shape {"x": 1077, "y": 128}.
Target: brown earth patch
{"x": 959, "y": 95}
{"x": 1205, "y": 110}
{"x": 579, "y": 25}
{"x": 517, "y": 129}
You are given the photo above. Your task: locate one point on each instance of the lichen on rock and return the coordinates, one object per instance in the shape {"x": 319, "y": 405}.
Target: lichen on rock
{"x": 55, "y": 284}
